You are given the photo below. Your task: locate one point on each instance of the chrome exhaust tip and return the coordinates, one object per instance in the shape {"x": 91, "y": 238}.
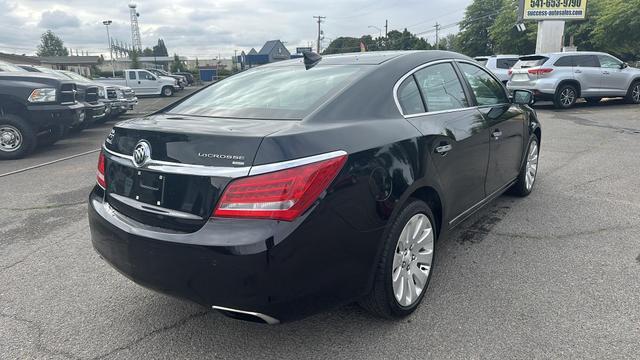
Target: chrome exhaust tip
{"x": 247, "y": 315}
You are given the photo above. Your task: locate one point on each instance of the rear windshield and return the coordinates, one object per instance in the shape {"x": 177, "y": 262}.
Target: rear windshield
{"x": 530, "y": 61}
{"x": 482, "y": 61}
{"x": 278, "y": 92}
{"x": 505, "y": 63}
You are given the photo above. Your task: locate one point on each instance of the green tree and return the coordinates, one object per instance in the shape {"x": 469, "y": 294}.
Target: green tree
{"x": 474, "y": 38}
{"x": 160, "y": 49}
{"x": 616, "y": 23}
{"x": 504, "y": 36}
{"x": 177, "y": 64}
{"x": 51, "y": 45}
{"x": 448, "y": 43}
{"x": 147, "y": 52}
{"x": 343, "y": 44}
{"x": 135, "y": 59}
{"x": 582, "y": 31}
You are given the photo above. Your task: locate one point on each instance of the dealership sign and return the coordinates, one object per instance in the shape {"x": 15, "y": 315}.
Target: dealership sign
{"x": 553, "y": 9}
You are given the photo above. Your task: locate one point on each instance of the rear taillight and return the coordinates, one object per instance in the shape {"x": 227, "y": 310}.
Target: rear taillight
{"x": 510, "y": 72}
{"x": 540, "y": 71}
{"x": 100, "y": 172}
{"x": 280, "y": 195}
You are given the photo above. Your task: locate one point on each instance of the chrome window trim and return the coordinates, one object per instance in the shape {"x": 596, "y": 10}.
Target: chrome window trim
{"x": 219, "y": 171}
{"x": 410, "y": 73}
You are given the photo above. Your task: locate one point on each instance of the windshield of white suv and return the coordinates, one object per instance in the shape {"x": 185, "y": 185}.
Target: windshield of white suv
{"x": 10, "y": 67}
{"x": 278, "y": 92}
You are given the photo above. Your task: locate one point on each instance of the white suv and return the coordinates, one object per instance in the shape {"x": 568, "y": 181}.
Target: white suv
{"x": 498, "y": 64}
{"x": 565, "y": 77}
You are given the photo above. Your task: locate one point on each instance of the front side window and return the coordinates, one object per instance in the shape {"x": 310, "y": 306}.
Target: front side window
{"x": 143, "y": 75}
{"x": 132, "y": 75}
{"x": 441, "y": 88}
{"x": 409, "y": 97}
{"x": 586, "y": 61}
{"x": 271, "y": 92}
{"x": 609, "y": 62}
{"x": 487, "y": 90}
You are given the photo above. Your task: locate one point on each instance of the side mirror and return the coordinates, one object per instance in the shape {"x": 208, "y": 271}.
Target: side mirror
{"x": 624, "y": 65}
{"x": 523, "y": 97}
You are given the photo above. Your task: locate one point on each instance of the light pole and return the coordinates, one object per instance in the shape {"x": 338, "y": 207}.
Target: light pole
{"x": 377, "y": 28}
{"x": 106, "y": 23}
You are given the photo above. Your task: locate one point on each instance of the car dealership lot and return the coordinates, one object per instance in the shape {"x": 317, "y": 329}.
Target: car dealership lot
{"x": 551, "y": 275}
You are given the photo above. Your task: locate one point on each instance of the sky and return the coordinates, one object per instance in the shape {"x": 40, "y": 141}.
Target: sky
{"x": 207, "y": 29}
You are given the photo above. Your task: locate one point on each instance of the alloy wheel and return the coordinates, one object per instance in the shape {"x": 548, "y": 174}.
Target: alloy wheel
{"x": 635, "y": 95}
{"x": 532, "y": 165}
{"x": 10, "y": 138}
{"x": 412, "y": 260}
{"x": 567, "y": 97}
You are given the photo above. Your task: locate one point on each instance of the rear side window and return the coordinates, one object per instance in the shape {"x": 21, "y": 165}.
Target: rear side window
{"x": 530, "y": 61}
{"x": 505, "y": 63}
{"x": 441, "y": 88}
{"x": 565, "y": 61}
{"x": 132, "y": 75}
{"x": 409, "y": 97}
{"x": 271, "y": 92}
{"x": 487, "y": 90}
{"x": 586, "y": 61}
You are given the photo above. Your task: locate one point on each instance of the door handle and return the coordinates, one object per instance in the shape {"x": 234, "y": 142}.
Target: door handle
{"x": 138, "y": 81}
{"x": 444, "y": 149}
{"x": 578, "y": 71}
{"x": 606, "y": 72}
{"x": 496, "y": 134}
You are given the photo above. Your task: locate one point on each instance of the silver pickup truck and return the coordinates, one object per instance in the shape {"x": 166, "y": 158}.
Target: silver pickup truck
{"x": 144, "y": 82}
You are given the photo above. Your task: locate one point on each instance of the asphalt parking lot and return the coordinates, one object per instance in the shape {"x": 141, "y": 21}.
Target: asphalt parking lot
{"x": 554, "y": 275}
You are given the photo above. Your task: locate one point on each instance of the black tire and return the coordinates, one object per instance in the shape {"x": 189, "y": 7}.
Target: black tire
{"x": 565, "y": 96}
{"x": 56, "y": 133}
{"x": 520, "y": 188}
{"x": 593, "y": 100}
{"x": 633, "y": 94}
{"x": 167, "y": 91}
{"x": 28, "y": 137}
{"x": 381, "y": 301}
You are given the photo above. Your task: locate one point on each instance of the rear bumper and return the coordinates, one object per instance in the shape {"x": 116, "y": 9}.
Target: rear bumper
{"x": 284, "y": 270}
{"x": 46, "y": 116}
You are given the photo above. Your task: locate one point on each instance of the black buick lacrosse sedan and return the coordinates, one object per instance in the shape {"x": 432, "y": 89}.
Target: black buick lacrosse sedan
{"x": 305, "y": 184}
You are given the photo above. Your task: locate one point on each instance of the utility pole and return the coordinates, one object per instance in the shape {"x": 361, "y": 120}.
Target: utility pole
{"x": 386, "y": 27}
{"x": 106, "y": 23}
{"x": 320, "y": 18}
{"x": 437, "y": 33}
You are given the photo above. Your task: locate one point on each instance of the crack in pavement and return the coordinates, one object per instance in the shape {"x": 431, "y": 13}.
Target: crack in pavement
{"x": 47, "y": 207}
{"x": 558, "y": 236}
{"x": 39, "y": 332}
{"x": 175, "y": 325}
{"x": 588, "y": 122}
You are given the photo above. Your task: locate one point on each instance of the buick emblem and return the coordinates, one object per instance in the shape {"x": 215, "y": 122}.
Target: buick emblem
{"x": 141, "y": 153}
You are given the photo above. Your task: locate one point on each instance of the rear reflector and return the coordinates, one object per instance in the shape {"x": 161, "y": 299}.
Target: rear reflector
{"x": 280, "y": 195}
{"x": 540, "y": 71}
{"x": 100, "y": 172}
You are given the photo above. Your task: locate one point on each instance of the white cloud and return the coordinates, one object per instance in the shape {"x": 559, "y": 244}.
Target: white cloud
{"x": 206, "y": 28}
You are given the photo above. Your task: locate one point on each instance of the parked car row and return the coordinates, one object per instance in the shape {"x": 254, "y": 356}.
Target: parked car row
{"x": 38, "y": 106}
{"x": 148, "y": 82}
{"x": 566, "y": 77}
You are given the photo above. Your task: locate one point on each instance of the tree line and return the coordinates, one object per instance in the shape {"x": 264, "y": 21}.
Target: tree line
{"x": 489, "y": 27}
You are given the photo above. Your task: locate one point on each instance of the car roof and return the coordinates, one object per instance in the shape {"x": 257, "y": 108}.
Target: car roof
{"x": 566, "y": 53}
{"x": 376, "y": 57}
{"x": 499, "y": 56}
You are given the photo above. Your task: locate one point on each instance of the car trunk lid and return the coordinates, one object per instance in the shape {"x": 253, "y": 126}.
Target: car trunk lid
{"x": 192, "y": 160}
